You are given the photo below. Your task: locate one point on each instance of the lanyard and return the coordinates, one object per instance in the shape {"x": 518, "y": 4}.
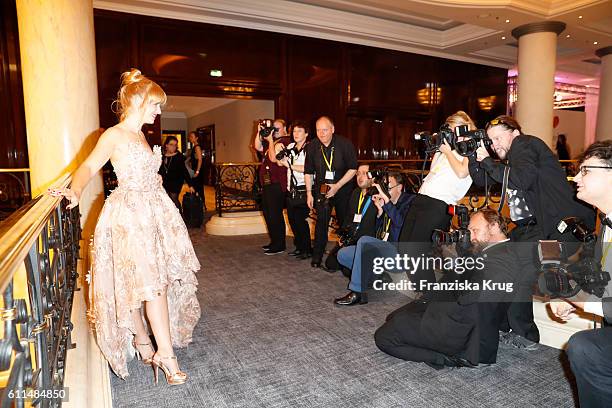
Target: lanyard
{"x": 607, "y": 245}
{"x": 388, "y": 223}
{"x": 329, "y": 162}
{"x": 361, "y": 198}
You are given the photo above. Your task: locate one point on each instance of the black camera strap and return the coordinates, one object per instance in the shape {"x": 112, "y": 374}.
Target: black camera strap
{"x": 291, "y": 158}
{"x": 502, "y": 201}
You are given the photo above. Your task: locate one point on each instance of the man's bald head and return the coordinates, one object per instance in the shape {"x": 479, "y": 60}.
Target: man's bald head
{"x": 325, "y": 130}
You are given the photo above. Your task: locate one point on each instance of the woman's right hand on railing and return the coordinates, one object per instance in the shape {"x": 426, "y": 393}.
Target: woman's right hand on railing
{"x": 70, "y": 195}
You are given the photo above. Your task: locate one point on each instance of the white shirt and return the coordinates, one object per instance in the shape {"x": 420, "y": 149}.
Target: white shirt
{"x": 300, "y": 159}
{"x": 595, "y": 306}
{"x": 442, "y": 183}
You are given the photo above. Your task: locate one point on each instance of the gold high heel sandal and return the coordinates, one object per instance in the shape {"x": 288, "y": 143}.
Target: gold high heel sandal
{"x": 172, "y": 379}
{"x": 145, "y": 361}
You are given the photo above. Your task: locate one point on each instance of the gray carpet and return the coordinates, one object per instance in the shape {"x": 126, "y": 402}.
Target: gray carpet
{"x": 270, "y": 337}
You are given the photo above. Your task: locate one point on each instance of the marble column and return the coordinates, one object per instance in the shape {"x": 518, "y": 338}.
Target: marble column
{"x": 604, "y": 111}
{"x": 537, "y": 56}
{"x": 58, "y": 63}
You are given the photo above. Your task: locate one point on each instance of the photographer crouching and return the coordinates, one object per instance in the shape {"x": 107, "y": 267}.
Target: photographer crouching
{"x": 392, "y": 206}
{"x": 539, "y": 196}
{"x": 590, "y": 351}
{"x": 359, "y": 221}
{"x": 459, "y": 327}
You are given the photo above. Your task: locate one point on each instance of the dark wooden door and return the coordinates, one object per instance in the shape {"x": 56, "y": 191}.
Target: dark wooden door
{"x": 206, "y": 138}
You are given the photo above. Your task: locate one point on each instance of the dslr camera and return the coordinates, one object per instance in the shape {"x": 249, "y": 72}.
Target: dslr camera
{"x": 560, "y": 278}
{"x": 433, "y": 141}
{"x": 380, "y": 177}
{"x": 267, "y": 127}
{"x": 465, "y": 148}
{"x": 286, "y": 152}
{"x": 476, "y": 138}
{"x": 347, "y": 236}
{"x": 461, "y": 236}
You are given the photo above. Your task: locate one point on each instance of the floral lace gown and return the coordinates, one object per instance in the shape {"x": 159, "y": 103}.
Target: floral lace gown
{"x": 141, "y": 246}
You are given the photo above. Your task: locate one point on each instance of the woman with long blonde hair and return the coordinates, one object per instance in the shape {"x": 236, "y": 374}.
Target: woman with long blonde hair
{"x": 142, "y": 251}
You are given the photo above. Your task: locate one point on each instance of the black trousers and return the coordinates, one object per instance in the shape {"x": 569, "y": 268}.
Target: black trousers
{"x": 339, "y": 202}
{"x": 520, "y": 311}
{"x": 590, "y": 356}
{"x": 426, "y": 214}
{"x": 399, "y": 336}
{"x": 198, "y": 185}
{"x": 272, "y": 204}
{"x": 297, "y": 215}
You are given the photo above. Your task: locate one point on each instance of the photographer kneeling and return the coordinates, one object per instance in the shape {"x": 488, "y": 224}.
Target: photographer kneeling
{"x": 392, "y": 209}
{"x": 590, "y": 351}
{"x": 458, "y": 326}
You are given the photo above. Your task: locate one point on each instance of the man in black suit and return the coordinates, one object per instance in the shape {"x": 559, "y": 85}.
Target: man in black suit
{"x": 539, "y": 196}
{"x": 459, "y": 328}
{"x": 590, "y": 351}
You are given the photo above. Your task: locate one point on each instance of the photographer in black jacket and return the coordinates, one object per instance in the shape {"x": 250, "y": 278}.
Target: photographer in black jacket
{"x": 539, "y": 196}
{"x": 458, "y": 328}
{"x": 331, "y": 164}
{"x": 590, "y": 351}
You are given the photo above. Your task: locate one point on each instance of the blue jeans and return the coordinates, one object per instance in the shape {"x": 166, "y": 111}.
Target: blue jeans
{"x": 352, "y": 256}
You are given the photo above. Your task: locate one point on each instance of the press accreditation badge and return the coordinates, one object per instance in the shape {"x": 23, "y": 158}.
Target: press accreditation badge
{"x": 357, "y": 218}
{"x": 386, "y": 237}
{"x": 329, "y": 175}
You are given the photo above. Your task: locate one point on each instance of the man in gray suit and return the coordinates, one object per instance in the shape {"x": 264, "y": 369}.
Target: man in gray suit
{"x": 590, "y": 351}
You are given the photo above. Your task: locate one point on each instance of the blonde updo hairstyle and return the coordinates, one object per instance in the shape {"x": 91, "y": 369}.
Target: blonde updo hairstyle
{"x": 460, "y": 118}
{"x": 136, "y": 92}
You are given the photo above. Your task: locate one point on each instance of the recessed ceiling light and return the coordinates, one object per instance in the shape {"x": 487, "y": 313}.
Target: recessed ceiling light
{"x": 485, "y": 15}
{"x": 507, "y": 20}
{"x": 580, "y": 17}
{"x": 567, "y": 36}
{"x": 503, "y": 38}
{"x": 595, "y": 43}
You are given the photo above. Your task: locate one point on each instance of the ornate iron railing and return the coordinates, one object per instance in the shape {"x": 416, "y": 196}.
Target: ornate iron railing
{"x": 39, "y": 248}
{"x": 237, "y": 187}
{"x": 14, "y": 190}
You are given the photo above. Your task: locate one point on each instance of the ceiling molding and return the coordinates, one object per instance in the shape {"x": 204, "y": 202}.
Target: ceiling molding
{"x": 544, "y": 8}
{"x": 173, "y": 115}
{"x": 311, "y": 21}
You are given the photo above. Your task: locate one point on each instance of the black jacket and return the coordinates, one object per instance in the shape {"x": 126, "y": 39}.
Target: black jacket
{"x": 466, "y": 323}
{"x": 368, "y": 221}
{"x": 537, "y": 175}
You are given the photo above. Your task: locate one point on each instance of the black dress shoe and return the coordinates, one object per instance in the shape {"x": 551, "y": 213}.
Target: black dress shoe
{"x": 352, "y": 298}
{"x": 295, "y": 252}
{"x": 315, "y": 264}
{"x": 266, "y": 247}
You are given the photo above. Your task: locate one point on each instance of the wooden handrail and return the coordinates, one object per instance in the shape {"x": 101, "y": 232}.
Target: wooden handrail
{"x": 19, "y": 231}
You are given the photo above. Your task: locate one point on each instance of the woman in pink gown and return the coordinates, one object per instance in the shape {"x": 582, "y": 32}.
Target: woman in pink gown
{"x": 142, "y": 251}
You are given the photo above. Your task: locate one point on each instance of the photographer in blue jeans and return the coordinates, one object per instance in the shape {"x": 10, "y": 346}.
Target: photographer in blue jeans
{"x": 392, "y": 209}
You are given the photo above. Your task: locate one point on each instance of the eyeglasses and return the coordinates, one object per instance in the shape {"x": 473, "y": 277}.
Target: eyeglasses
{"x": 583, "y": 170}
